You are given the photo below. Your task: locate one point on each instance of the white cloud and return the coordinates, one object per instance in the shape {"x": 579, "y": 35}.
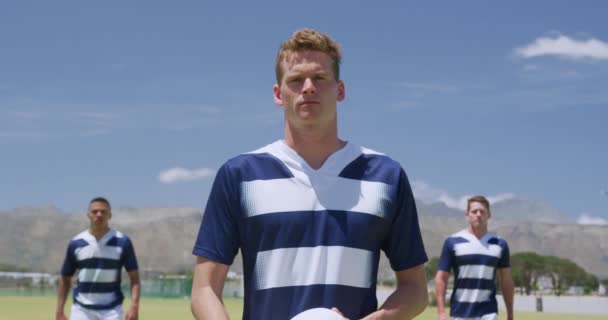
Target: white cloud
{"x": 178, "y": 174}
{"x": 564, "y": 46}
{"x": 586, "y": 218}
{"x": 429, "y": 194}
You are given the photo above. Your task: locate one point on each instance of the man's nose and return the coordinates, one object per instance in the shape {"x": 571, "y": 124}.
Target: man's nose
{"x": 308, "y": 87}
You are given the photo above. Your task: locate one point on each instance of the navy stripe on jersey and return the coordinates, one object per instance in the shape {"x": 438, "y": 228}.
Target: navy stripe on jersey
{"x": 359, "y": 169}
{"x": 476, "y": 259}
{"x": 260, "y": 167}
{"x": 99, "y": 264}
{"x": 474, "y": 262}
{"x": 293, "y": 299}
{"x": 483, "y": 284}
{"x": 314, "y": 228}
{"x": 310, "y": 238}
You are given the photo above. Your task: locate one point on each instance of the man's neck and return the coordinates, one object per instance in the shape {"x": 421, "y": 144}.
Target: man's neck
{"x": 98, "y": 233}
{"x": 478, "y": 232}
{"x": 313, "y": 145}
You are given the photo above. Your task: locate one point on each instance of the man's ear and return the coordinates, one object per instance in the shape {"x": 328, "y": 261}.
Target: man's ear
{"x": 341, "y": 91}
{"x": 276, "y": 92}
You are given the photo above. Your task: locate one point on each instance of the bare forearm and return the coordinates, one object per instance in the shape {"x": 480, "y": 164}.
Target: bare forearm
{"x": 135, "y": 293}
{"x": 508, "y": 293}
{"x": 404, "y": 303}
{"x": 206, "y": 305}
{"x": 440, "y": 295}
{"x": 508, "y": 288}
{"x": 62, "y": 294}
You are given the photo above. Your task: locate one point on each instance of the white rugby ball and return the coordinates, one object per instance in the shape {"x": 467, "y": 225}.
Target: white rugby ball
{"x": 318, "y": 314}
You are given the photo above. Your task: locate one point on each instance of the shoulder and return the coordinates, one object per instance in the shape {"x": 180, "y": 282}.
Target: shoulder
{"x": 81, "y": 236}
{"x": 119, "y": 239}
{"x": 456, "y": 238}
{"x": 261, "y": 164}
{"x": 379, "y": 159}
{"x": 496, "y": 239}
{"x": 372, "y": 165}
{"x": 80, "y": 240}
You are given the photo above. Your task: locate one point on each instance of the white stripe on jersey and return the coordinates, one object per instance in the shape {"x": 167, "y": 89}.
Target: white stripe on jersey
{"x": 491, "y": 316}
{"x": 468, "y": 248}
{"x": 476, "y": 272}
{"x": 472, "y": 295}
{"x": 96, "y": 251}
{"x": 334, "y": 193}
{"x": 98, "y": 275}
{"x": 96, "y": 298}
{"x": 326, "y": 265}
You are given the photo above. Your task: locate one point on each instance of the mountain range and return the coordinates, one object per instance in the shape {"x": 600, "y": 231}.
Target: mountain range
{"x": 35, "y": 238}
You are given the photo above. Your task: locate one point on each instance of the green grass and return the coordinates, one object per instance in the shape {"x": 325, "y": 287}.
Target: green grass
{"x": 43, "y": 308}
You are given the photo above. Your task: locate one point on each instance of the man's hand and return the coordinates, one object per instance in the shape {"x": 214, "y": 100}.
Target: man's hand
{"x": 60, "y": 316}
{"x": 132, "y": 313}
{"x": 443, "y": 316}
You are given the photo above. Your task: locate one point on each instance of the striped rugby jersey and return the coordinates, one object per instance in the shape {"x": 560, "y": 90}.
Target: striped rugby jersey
{"x": 99, "y": 265}
{"x": 310, "y": 238}
{"x": 474, "y": 262}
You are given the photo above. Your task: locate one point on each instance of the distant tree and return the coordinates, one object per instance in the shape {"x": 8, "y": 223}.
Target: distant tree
{"x": 526, "y": 267}
{"x": 590, "y": 284}
{"x": 565, "y": 273}
{"x": 431, "y": 268}
{"x": 11, "y": 268}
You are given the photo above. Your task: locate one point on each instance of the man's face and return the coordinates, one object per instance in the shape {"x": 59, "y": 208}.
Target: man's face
{"x": 99, "y": 214}
{"x": 477, "y": 215}
{"x": 309, "y": 91}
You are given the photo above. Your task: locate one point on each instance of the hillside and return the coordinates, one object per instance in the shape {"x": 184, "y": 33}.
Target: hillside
{"x": 36, "y": 238}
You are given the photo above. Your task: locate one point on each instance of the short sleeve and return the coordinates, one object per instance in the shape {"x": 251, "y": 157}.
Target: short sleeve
{"x": 404, "y": 247}
{"x": 504, "y": 261}
{"x": 446, "y": 260}
{"x": 218, "y": 238}
{"x": 129, "y": 258}
{"x": 69, "y": 262}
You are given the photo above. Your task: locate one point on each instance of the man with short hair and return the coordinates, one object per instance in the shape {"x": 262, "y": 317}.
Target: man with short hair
{"x": 98, "y": 253}
{"x": 312, "y": 212}
{"x": 475, "y": 255}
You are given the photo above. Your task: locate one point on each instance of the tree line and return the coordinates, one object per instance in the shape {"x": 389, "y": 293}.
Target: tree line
{"x": 529, "y": 267}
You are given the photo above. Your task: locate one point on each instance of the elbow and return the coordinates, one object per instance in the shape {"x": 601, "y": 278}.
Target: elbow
{"x": 439, "y": 283}
{"x": 421, "y": 300}
{"x": 193, "y": 306}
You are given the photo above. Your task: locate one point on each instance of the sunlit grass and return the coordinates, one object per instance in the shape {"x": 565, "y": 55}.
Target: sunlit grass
{"x": 43, "y": 308}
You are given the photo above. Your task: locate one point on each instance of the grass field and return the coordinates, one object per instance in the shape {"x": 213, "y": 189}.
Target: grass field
{"x": 43, "y": 308}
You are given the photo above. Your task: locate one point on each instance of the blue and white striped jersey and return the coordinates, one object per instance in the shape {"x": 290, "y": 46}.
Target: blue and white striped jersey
{"x": 99, "y": 265}
{"x": 474, "y": 262}
{"x": 310, "y": 238}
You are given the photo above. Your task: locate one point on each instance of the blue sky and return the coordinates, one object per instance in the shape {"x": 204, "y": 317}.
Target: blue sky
{"x": 142, "y": 101}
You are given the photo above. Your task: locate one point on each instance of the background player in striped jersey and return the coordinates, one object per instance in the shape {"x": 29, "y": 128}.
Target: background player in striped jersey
{"x": 98, "y": 253}
{"x": 312, "y": 212}
{"x": 475, "y": 255}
